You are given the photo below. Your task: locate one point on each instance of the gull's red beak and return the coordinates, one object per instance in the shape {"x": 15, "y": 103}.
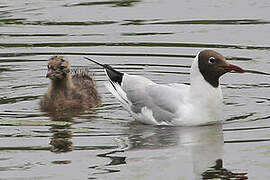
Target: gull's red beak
{"x": 235, "y": 68}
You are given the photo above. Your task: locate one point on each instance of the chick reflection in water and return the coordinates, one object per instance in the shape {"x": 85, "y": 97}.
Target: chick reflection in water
{"x": 61, "y": 139}
{"x": 61, "y": 135}
{"x": 173, "y": 152}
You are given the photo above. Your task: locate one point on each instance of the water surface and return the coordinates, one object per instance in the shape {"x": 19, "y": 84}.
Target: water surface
{"x": 157, "y": 39}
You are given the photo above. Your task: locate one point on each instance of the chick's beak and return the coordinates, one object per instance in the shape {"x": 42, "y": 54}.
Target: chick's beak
{"x": 49, "y": 73}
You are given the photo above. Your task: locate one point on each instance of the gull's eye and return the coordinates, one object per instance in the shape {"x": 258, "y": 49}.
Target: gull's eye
{"x": 212, "y": 60}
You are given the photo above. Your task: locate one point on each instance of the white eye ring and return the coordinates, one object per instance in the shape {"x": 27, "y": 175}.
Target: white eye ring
{"x": 212, "y": 60}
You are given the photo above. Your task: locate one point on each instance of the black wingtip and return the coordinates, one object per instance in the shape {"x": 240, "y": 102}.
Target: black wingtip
{"x": 114, "y": 75}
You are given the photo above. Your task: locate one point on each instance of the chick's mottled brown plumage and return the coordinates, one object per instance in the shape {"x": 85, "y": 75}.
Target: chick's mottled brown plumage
{"x": 68, "y": 92}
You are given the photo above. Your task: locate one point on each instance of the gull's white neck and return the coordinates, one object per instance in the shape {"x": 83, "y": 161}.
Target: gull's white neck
{"x": 204, "y": 96}
{"x": 198, "y": 84}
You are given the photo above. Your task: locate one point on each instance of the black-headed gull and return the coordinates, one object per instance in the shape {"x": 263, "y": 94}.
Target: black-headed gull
{"x": 174, "y": 104}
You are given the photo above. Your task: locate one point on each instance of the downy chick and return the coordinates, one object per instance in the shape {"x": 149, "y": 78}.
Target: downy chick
{"x": 68, "y": 92}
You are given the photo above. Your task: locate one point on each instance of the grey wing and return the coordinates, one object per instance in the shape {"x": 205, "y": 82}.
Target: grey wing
{"x": 161, "y": 99}
{"x": 134, "y": 86}
{"x": 165, "y": 101}
{"x": 166, "y": 97}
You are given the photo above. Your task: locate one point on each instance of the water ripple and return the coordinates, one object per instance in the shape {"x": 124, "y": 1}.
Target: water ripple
{"x": 19, "y": 21}
{"x": 40, "y": 148}
{"x": 246, "y": 128}
{"x": 202, "y": 22}
{"x": 16, "y": 167}
{"x": 241, "y": 117}
{"x": 46, "y": 35}
{"x": 246, "y": 141}
{"x": 257, "y": 72}
{"x": 18, "y": 54}
{"x": 248, "y": 86}
{"x": 4, "y": 100}
{"x": 146, "y": 34}
{"x": 132, "y": 44}
{"x": 116, "y": 3}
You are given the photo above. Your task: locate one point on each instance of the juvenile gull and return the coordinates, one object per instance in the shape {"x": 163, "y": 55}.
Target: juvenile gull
{"x": 68, "y": 92}
{"x": 174, "y": 104}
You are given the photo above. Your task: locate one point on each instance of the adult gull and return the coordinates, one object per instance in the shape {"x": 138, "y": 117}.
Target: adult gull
{"x": 174, "y": 104}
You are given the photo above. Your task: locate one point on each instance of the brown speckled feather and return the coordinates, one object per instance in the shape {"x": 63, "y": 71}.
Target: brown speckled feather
{"x": 86, "y": 85}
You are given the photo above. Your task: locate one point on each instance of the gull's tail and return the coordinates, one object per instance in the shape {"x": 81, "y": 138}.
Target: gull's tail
{"x": 113, "y": 75}
{"x": 115, "y": 82}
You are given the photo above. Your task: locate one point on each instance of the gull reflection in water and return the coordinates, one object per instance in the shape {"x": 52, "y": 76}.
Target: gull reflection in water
{"x": 176, "y": 152}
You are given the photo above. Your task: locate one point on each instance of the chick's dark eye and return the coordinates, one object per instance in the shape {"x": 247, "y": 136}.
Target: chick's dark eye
{"x": 212, "y": 60}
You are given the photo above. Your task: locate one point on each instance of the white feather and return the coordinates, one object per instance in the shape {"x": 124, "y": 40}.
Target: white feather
{"x": 117, "y": 91}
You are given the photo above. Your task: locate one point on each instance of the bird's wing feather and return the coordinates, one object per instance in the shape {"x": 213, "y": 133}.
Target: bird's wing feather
{"x": 166, "y": 97}
{"x": 162, "y": 100}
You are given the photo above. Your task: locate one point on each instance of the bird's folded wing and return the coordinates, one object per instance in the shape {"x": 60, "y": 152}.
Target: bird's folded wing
{"x": 166, "y": 97}
{"x": 162, "y": 100}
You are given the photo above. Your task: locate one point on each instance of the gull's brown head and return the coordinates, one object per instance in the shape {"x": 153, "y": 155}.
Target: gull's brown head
{"x": 213, "y": 65}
